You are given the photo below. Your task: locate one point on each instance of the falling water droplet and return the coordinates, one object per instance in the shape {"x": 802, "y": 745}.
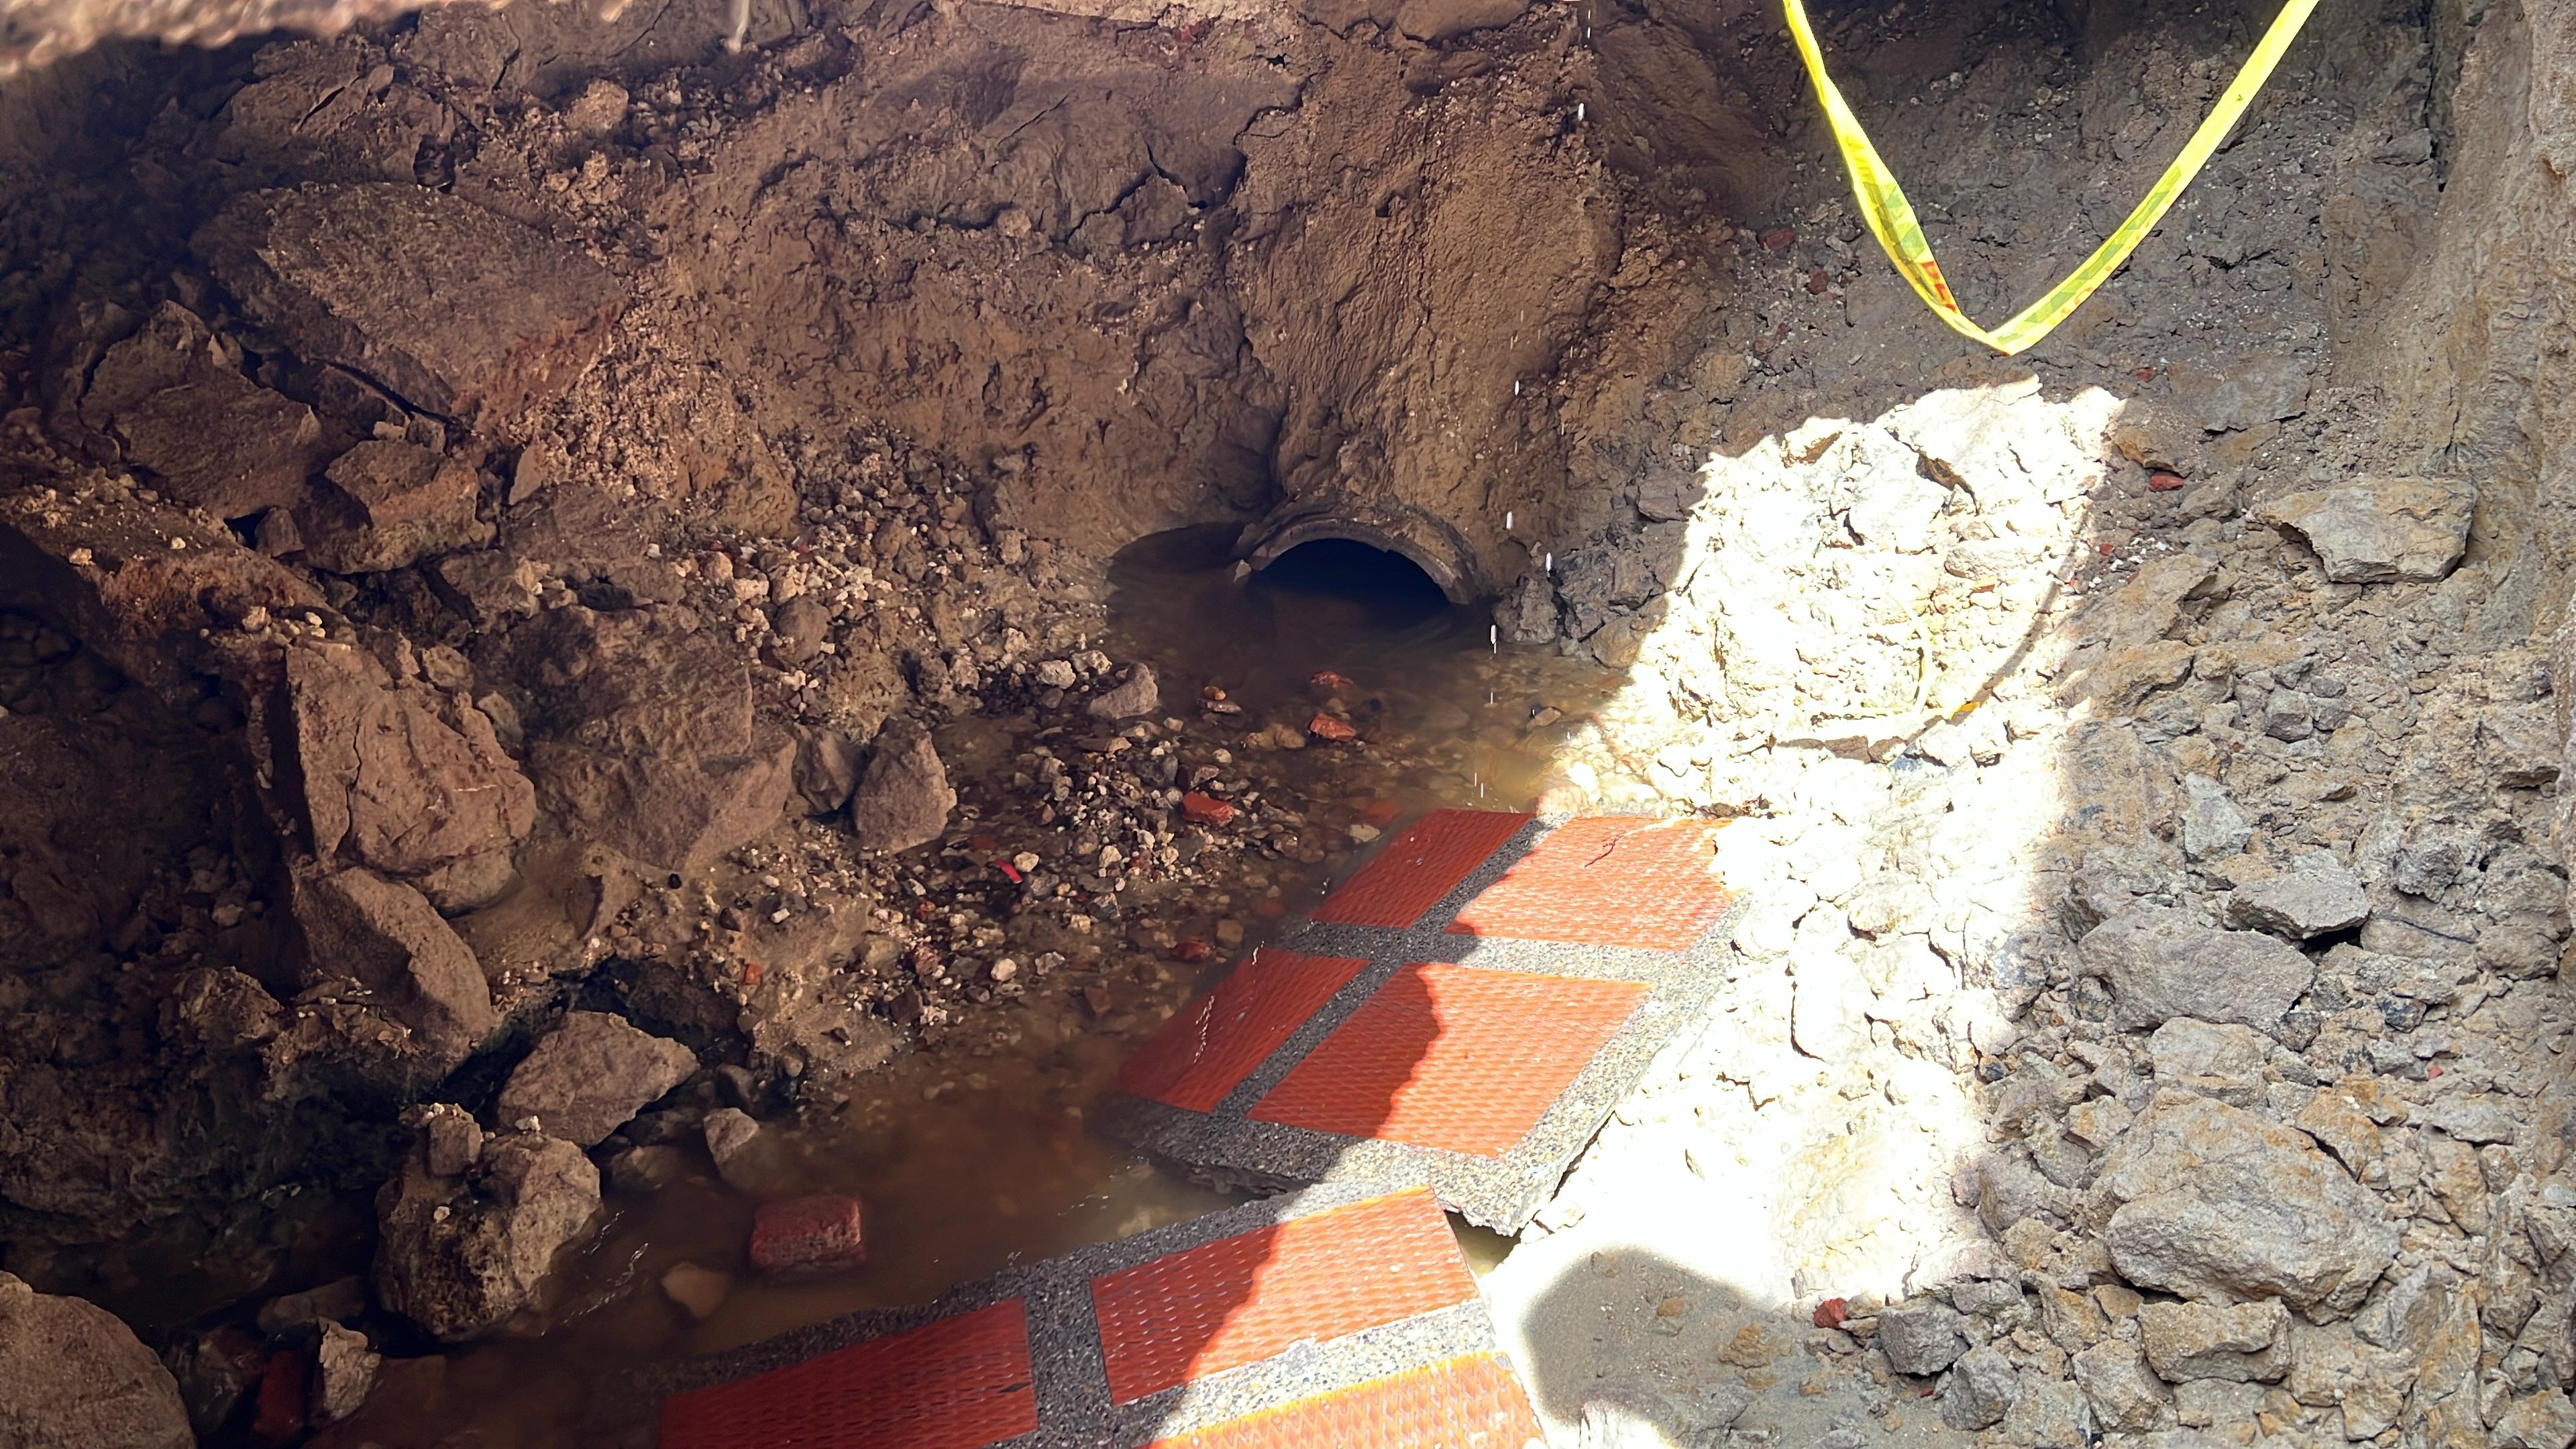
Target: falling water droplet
{"x": 1551, "y": 563}
{"x": 1494, "y": 637}
{"x": 1507, "y": 520}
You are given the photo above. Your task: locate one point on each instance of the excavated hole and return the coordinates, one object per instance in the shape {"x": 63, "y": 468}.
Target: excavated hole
{"x": 1541, "y": 375}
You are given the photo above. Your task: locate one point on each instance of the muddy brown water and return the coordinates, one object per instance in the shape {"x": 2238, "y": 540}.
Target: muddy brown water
{"x": 972, "y": 1163}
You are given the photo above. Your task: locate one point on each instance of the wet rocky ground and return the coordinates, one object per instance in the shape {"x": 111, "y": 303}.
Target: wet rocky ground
{"x": 518, "y": 809}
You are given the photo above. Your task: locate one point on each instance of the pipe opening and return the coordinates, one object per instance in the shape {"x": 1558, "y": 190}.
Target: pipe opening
{"x": 1374, "y": 588}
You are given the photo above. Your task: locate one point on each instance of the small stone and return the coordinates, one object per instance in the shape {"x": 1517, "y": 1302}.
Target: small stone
{"x": 699, "y": 1290}
{"x": 730, "y": 1133}
{"x": 2115, "y": 1380}
{"x": 2212, "y": 827}
{"x": 1330, "y": 730}
{"x": 344, "y": 1369}
{"x": 450, "y": 1140}
{"x": 1056, "y": 673}
{"x": 904, "y": 797}
{"x": 2301, "y": 904}
{"x": 1137, "y": 696}
{"x": 1005, "y": 970}
{"x": 1204, "y": 809}
{"x": 817, "y": 1233}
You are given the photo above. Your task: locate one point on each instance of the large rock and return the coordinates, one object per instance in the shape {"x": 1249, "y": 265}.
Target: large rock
{"x": 2301, "y": 904}
{"x": 450, "y": 307}
{"x": 590, "y": 1076}
{"x": 215, "y": 439}
{"x": 72, "y": 1376}
{"x": 402, "y": 778}
{"x": 1137, "y": 695}
{"x": 384, "y": 505}
{"x": 903, "y": 798}
{"x": 461, "y": 1255}
{"x": 385, "y": 937}
{"x": 2213, "y": 1203}
{"x": 2245, "y": 392}
{"x": 643, "y": 736}
{"x": 1921, "y": 1339}
{"x": 2380, "y": 530}
{"x": 2161, "y": 963}
{"x": 2114, "y": 1377}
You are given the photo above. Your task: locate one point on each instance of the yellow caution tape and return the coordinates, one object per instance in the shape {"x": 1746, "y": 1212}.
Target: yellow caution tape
{"x": 1891, "y": 217}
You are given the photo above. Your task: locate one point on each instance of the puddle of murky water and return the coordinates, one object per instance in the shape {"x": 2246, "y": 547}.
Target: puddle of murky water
{"x": 973, "y": 1161}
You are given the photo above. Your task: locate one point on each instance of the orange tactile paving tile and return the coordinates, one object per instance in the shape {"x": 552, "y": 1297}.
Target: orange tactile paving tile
{"x": 1452, "y": 1057}
{"x": 959, "y": 1383}
{"x": 1242, "y": 1299}
{"x": 1465, "y": 1403}
{"x": 1607, "y": 880}
{"x": 1199, "y": 1055}
{"x": 1418, "y": 867}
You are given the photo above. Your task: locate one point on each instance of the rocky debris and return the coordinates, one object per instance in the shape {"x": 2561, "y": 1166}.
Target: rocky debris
{"x": 403, "y": 778}
{"x": 816, "y": 1233}
{"x": 384, "y": 939}
{"x": 1135, "y": 696}
{"x": 1922, "y": 1339}
{"x": 647, "y": 1169}
{"x": 2214, "y": 1203}
{"x": 461, "y": 1255}
{"x": 589, "y": 1076}
{"x": 2380, "y": 530}
{"x": 2161, "y": 963}
{"x": 903, "y": 797}
{"x": 2309, "y": 900}
{"x": 177, "y": 404}
{"x": 385, "y": 505}
{"x": 74, "y": 1377}
{"x": 643, "y": 735}
{"x": 344, "y": 1369}
{"x": 450, "y": 307}
{"x": 2241, "y": 1343}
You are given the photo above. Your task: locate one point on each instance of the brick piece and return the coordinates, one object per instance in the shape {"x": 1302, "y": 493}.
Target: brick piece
{"x": 820, "y": 1233}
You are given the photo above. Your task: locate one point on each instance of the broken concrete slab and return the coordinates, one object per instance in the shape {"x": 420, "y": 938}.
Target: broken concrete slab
{"x": 2380, "y": 530}
{"x": 452, "y": 308}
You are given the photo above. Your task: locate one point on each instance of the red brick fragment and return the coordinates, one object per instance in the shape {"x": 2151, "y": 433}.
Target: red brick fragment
{"x": 1325, "y": 727}
{"x": 1203, "y": 809}
{"x": 1190, "y": 952}
{"x": 2163, "y": 482}
{"x": 820, "y": 1233}
{"x": 1326, "y": 679}
{"x": 284, "y": 1387}
{"x": 1831, "y": 1313}
{"x": 1818, "y": 284}
{"x": 1779, "y": 239}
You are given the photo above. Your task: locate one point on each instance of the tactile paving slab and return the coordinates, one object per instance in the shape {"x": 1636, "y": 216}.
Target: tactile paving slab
{"x": 1339, "y": 1316}
{"x": 1515, "y": 977}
